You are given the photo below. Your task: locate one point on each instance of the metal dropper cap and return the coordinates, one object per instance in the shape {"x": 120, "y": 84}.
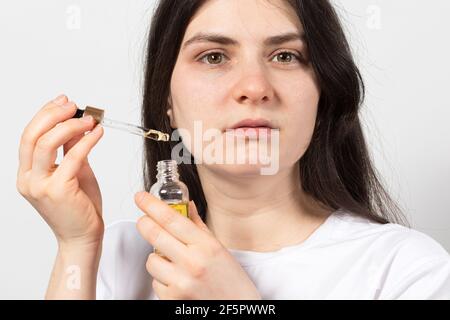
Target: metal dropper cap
{"x": 96, "y": 113}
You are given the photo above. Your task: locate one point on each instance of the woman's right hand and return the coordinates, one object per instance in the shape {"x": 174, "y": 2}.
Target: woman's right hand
{"x": 67, "y": 196}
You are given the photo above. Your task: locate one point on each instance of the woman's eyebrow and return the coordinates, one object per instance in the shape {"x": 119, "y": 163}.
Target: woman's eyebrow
{"x": 224, "y": 40}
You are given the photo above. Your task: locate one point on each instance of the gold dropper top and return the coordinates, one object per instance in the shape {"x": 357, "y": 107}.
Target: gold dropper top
{"x": 157, "y": 135}
{"x": 98, "y": 115}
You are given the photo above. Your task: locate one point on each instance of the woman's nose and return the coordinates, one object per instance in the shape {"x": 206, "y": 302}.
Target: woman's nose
{"x": 253, "y": 87}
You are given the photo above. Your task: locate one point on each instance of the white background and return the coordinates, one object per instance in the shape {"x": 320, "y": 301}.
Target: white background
{"x": 93, "y": 52}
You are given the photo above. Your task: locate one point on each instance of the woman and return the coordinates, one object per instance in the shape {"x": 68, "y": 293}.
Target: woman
{"x": 321, "y": 226}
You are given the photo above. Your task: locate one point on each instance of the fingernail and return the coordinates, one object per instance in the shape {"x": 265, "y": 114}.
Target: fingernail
{"x": 59, "y": 100}
{"x": 95, "y": 130}
{"x": 68, "y": 105}
{"x": 86, "y": 119}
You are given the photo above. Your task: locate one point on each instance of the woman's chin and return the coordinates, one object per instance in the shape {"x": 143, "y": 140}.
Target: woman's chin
{"x": 238, "y": 170}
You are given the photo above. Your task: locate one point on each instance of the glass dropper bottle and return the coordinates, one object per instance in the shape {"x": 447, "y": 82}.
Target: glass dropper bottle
{"x": 170, "y": 189}
{"x": 98, "y": 115}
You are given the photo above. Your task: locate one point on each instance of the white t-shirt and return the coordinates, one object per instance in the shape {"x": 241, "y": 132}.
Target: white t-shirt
{"x": 347, "y": 257}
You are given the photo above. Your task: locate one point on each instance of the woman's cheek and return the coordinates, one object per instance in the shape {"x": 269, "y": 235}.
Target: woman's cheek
{"x": 196, "y": 136}
{"x": 297, "y": 131}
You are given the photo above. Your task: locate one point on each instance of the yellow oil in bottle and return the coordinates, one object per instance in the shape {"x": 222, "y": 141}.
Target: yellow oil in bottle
{"x": 183, "y": 209}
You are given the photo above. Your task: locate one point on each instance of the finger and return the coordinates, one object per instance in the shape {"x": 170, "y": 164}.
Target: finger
{"x": 58, "y": 101}
{"x": 161, "y": 269}
{"x": 27, "y": 142}
{"x": 195, "y": 217}
{"x": 75, "y": 158}
{"x": 162, "y": 291}
{"x": 51, "y": 114}
{"x": 45, "y": 152}
{"x": 69, "y": 144}
{"x": 163, "y": 241}
{"x": 176, "y": 224}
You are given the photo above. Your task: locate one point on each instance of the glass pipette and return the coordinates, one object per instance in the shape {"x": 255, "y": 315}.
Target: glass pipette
{"x": 98, "y": 115}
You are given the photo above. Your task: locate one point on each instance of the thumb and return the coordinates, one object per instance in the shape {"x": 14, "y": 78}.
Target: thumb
{"x": 195, "y": 217}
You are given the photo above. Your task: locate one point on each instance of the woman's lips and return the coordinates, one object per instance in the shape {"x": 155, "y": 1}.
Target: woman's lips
{"x": 251, "y": 128}
{"x": 253, "y": 123}
{"x": 250, "y": 132}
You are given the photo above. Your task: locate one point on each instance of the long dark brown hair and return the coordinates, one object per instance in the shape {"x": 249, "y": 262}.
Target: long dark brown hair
{"x": 336, "y": 170}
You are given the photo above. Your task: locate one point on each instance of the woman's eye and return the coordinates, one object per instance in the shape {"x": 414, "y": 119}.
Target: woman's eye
{"x": 213, "y": 58}
{"x": 217, "y": 58}
{"x": 287, "y": 57}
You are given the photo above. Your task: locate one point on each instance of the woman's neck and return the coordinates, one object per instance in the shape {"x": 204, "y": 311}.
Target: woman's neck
{"x": 259, "y": 212}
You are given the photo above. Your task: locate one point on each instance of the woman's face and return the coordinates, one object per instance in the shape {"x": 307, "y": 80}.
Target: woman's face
{"x": 246, "y": 73}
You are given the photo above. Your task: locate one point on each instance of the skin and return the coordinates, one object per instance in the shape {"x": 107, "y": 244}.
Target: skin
{"x": 250, "y": 80}
{"x": 66, "y": 196}
{"x": 242, "y": 205}
{"x": 197, "y": 265}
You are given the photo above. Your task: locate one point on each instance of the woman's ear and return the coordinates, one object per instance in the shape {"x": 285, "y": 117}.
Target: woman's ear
{"x": 170, "y": 115}
{"x": 170, "y": 112}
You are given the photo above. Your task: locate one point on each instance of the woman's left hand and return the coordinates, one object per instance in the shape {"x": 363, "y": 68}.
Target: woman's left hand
{"x": 198, "y": 266}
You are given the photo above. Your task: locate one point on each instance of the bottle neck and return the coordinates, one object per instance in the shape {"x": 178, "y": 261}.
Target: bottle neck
{"x": 167, "y": 171}
{"x": 167, "y": 177}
